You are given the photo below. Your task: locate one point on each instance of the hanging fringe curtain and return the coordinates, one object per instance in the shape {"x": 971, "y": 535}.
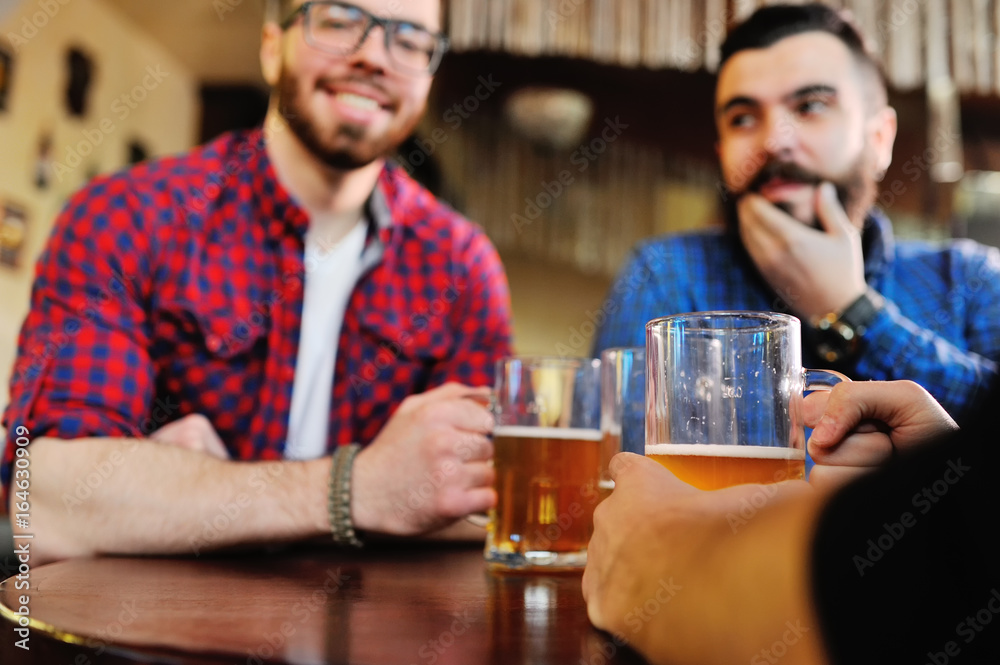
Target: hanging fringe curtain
{"x": 686, "y": 34}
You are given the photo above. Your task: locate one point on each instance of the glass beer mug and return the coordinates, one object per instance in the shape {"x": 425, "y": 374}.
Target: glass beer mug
{"x": 724, "y": 397}
{"x": 548, "y": 462}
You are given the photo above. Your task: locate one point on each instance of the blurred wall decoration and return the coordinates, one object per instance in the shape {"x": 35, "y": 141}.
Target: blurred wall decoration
{"x": 85, "y": 83}
{"x": 13, "y": 230}
{"x": 6, "y": 72}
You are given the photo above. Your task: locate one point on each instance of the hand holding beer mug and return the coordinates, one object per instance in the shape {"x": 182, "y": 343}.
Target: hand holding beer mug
{"x": 547, "y": 458}
{"x": 725, "y": 395}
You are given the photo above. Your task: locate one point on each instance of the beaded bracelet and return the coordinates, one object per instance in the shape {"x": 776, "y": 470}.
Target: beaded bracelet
{"x": 339, "y": 502}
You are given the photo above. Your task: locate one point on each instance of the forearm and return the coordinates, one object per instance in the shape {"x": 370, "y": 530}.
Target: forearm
{"x": 129, "y": 496}
{"x": 749, "y": 593}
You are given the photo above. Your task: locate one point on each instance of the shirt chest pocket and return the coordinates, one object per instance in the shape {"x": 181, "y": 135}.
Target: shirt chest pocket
{"x": 214, "y": 362}
{"x": 227, "y": 336}
{"x": 193, "y": 342}
{"x": 400, "y": 354}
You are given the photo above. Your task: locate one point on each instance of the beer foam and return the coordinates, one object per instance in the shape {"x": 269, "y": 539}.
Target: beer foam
{"x": 719, "y": 450}
{"x": 527, "y": 432}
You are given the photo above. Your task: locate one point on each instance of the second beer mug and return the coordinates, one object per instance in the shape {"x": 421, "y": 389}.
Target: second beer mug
{"x": 724, "y": 397}
{"x": 547, "y": 457}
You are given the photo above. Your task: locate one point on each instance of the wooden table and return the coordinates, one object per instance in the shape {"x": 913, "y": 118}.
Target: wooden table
{"x": 408, "y": 605}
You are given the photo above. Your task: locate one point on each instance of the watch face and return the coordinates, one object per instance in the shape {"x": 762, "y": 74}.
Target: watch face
{"x": 839, "y": 337}
{"x": 837, "y": 342}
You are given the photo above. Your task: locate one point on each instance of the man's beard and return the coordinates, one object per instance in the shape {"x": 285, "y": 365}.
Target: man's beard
{"x": 348, "y": 148}
{"x": 856, "y": 190}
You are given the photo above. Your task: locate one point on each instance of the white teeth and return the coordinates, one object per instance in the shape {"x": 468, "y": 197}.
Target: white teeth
{"x": 358, "y": 101}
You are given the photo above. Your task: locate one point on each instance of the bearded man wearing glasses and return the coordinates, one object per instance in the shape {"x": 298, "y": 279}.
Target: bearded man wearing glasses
{"x": 275, "y": 336}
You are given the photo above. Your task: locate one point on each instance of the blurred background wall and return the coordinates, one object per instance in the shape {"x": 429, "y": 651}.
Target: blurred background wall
{"x": 140, "y": 96}
{"x": 570, "y": 129}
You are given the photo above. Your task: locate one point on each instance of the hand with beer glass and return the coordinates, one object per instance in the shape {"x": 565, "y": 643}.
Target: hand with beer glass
{"x": 547, "y": 458}
{"x": 725, "y": 397}
{"x": 857, "y": 426}
{"x": 745, "y": 556}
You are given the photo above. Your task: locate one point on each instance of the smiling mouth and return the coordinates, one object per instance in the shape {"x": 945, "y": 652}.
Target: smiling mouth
{"x": 358, "y": 101}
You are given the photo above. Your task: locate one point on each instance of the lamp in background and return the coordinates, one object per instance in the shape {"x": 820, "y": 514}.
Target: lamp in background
{"x": 551, "y": 118}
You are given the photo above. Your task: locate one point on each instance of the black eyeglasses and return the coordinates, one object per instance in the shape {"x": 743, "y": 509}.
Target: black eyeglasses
{"x": 341, "y": 29}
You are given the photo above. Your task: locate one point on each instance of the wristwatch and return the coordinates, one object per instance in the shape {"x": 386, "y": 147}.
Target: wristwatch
{"x": 839, "y": 335}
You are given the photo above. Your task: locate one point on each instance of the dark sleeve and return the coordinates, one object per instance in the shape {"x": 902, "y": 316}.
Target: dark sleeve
{"x": 906, "y": 561}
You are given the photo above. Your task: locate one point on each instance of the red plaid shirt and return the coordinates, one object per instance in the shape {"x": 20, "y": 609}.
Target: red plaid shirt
{"x": 176, "y": 288}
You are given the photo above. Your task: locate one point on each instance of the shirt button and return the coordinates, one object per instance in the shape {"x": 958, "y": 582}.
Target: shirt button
{"x": 213, "y": 342}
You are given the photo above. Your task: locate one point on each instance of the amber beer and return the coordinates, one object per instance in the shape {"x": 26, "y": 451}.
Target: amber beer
{"x": 712, "y": 467}
{"x": 547, "y": 481}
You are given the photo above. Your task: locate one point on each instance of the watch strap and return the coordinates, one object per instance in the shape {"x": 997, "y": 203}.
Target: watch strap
{"x": 862, "y": 312}
{"x": 840, "y": 334}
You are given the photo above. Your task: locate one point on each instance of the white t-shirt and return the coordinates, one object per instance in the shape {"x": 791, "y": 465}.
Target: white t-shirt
{"x": 331, "y": 273}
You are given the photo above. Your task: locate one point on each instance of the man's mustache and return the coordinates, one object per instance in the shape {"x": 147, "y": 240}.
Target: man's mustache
{"x": 787, "y": 171}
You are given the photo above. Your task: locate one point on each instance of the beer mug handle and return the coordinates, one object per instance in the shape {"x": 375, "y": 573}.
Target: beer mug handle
{"x": 482, "y": 520}
{"x": 822, "y": 379}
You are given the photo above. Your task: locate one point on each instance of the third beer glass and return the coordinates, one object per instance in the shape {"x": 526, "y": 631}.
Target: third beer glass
{"x": 724, "y": 397}
{"x": 623, "y": 405}
{"x": 547, "y": 457}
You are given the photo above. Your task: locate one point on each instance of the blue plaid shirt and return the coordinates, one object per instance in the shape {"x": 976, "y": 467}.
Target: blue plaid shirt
{"x": 940, "y": 327}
